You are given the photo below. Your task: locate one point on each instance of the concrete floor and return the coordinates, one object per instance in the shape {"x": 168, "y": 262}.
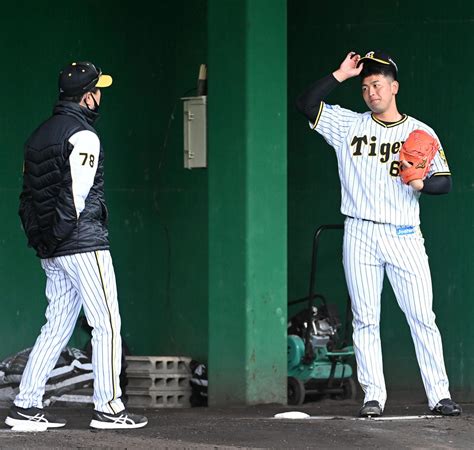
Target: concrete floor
{"x": 255, "y": 427}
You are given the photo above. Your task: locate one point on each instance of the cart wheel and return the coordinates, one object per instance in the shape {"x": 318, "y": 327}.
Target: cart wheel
{"x": 296, "y": 391}
{"x": 349, "y": 390}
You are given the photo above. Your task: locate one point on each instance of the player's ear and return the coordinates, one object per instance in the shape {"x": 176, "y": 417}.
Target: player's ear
{"x": 395, "y": 87}
{"x": 84, "y": 99}
{"x": 88, "y": 99}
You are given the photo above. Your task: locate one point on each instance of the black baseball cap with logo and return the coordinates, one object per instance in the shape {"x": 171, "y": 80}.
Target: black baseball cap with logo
{"x": 80, "y": 77}
{"x": 380, "y": 57}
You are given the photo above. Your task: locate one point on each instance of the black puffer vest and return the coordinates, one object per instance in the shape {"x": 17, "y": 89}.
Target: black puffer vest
{"x": 47, "y": 207}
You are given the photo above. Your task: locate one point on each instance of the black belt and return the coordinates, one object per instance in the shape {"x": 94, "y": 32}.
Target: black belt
{"x": 367, "y": 220}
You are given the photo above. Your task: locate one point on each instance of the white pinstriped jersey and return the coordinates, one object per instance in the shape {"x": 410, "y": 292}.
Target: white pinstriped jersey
{"x": 367, "y": 153}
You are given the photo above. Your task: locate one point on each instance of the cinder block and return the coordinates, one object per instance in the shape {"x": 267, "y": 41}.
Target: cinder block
{"x": 158, "y": 399}
{"x": 176, "y": 365}
{"x": 159, "y": 382}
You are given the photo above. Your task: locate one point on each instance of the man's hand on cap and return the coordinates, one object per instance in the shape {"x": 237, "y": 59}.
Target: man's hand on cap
{"x": 348, "y": 67}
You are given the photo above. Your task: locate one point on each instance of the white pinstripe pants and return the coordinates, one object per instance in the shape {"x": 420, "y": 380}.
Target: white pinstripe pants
{"x": 81, "y": 280}
{"x": 369, "y": 249}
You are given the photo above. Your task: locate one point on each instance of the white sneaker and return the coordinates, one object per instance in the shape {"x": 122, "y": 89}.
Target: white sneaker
{"x": 32, "y": 419}
{"x": 120, "y": 421}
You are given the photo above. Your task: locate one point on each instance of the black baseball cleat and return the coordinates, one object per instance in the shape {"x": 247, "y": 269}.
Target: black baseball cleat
{"x": 371, "y": 408}
{"x": 447, "y": 407}
{"x": 120, "y": 421}
{"x": 32, "y": 419}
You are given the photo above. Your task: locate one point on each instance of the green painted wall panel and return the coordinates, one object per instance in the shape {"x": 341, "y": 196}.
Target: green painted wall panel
{"x": 429, "y": 41}
{"x": 227, "y": 188}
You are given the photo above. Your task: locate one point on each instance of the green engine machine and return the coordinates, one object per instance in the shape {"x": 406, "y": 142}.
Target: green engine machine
{"x": 318, "y": 359}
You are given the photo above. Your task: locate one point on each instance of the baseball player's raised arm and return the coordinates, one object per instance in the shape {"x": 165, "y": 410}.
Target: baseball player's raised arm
{"x": 309, "y": 102}
{"x": 83, "y": 161}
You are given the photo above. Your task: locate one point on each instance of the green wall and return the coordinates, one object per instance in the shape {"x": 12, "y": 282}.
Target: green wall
{"x": 431, "y": 43}
{"x": 158, "y": 223}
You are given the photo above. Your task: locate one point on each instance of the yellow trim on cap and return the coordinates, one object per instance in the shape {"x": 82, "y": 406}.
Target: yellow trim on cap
{"x": 104, "y": 81}
{"x": 373, "y": 59}
{"x": 441, "y": 173}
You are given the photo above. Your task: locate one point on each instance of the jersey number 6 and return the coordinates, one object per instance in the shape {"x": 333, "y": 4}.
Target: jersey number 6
{"x": 394, "y": 168}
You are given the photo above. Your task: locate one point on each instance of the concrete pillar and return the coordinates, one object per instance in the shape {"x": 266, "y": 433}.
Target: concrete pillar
{"x": 247, "y": 143}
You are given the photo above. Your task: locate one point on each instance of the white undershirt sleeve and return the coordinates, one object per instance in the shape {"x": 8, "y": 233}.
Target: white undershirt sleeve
{"x": 83, "y": 161}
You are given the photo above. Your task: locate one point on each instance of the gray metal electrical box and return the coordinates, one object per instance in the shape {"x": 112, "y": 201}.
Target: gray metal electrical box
{"x": 195, "y": 131}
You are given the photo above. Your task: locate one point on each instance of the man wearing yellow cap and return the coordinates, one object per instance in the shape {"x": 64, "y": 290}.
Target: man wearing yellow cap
{"x": 63, "y": 212}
